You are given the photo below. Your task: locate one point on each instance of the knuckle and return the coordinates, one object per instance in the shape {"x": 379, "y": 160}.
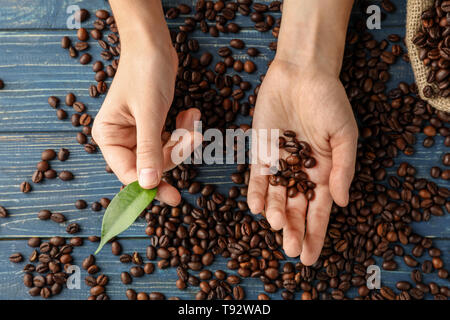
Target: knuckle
{"x": 276, "y": 197}
{"x": 147, "y": 150}
{"x": 97, "y": 132}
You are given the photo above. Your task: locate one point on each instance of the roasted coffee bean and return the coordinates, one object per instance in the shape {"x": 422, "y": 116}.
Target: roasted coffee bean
{"x": 96, "y": 206}
{"x": 25, "y": 187}
{"x": 80, "y": 204}
{"x": 137, "y": 271}
{"x": 65, "y": 42}
{"x": 85, "y": 58}
{"x": 116, "y": 248}
{"x": 81, "y": 138}
{"x": 61, "y": 114}
{"x": 63, "y": 154}
{"x": 125, "y": 278}
{"x": 48, "y": 155}
{"x": 82, "y": 34}
{"x": 249, "y": 66}
{"x": 66, "y": 175}
{"x": 237, "y": 43}
{"x": 53, "y": 102}
{"x": 16, "y": 257}
{"x": 44, "y": 214}
{"x": 34, "y": 242}
{"x": 73, "y": 228}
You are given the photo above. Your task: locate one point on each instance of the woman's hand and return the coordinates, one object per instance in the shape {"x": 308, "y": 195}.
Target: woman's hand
{"x": 313, "y": 103}
{"x": 129, "y": 125}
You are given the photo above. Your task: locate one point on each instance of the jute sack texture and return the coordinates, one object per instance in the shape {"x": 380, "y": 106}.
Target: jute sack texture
{"x": 413, "y": 23}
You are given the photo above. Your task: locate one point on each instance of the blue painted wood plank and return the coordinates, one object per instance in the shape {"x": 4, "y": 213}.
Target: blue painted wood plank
{"x": 19, "y": 154}
{"x": 11, "y": 286}
{"x": 34, "y": 67}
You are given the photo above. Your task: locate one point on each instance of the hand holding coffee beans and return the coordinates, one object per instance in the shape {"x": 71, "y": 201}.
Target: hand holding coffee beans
{"x": 301, "y": 91}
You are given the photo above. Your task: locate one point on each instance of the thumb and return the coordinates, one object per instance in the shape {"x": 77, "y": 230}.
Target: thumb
{"x": 149, "y": 158}
{"x": 343, "y": 157}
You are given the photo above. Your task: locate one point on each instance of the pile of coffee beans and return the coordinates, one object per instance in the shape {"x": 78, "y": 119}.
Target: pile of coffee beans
{"x": 291, "y": 174}
{"x": 97, "y": 284}
{"x": 433, "y": 39}
{"x": 79, "y": 118}
{"x": 47, "y": 271}
{"x": 375, "y": 228}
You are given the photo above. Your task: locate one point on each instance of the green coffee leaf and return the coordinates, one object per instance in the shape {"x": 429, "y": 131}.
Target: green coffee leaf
{"x": 123, "y": 210}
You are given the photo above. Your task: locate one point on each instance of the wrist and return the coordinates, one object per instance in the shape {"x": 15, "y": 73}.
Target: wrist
{"x": 141, "y": 26}
{"x": 312, "y": 34}
{"x": 142, "y": 42}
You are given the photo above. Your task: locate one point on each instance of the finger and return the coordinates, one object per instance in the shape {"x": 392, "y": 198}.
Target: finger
{"x": 168, "y": 194}
{"x": 276, "y": 206}
{"x": 257, "y": 189}
{"x": 187, "y": 143}
{"x": 149, "y": 148}
{"x": 122, "y": 162}
{"x": 294, "y": 230}
{"x": 186, "y": 119}
{"x": 184, "y": 147}
{"x": 343, "y": 165}
{"x": 316, "y": 224}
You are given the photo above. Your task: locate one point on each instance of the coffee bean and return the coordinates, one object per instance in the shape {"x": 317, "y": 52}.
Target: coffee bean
{"x": 97, "y": 290}
{"x": 65, "y": 42}
{"x": 57, "y": 217}
{"x": 66, "y": 175}
{"x": 96, "y": 206}
{"x": 249, "y": 66}
{"x": 44, "y": 214}
{"x": 82, "y": 34}
{"x": 149, "y": 268}
{"x": 16, "y": 258}
{"x": 63, "y": 154}
{"x": 116, "y": 248}
{"x": 76, "y": 241}
{"x": 34, "y": 242}
{"x": 53, "y": 102}
{"x": 61, "y": 114}
{"x": 80, "y": 204}
{"x": 125, "y": 278}
{"x": 137, "y": 271}
{"x": 50, "y": 174}
{"x": 252, "y": 52}
{"x": 85, "y": 58}
{"x": 25, "y": 187}
{"x": 48, "y": 155}
{"x": 131, "y": 294}
{"x": 73, "y": 228}
{"x": 237, "y": 43}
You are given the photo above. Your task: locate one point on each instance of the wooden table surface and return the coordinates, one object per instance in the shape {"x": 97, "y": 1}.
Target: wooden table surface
{"x": 33, "y": 67}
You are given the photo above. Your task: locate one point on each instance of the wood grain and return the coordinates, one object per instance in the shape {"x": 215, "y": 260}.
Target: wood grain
{"x": 11, "y": 286}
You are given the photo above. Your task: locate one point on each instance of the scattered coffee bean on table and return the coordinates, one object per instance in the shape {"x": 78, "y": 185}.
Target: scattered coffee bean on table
{"x": 189, "y": 237}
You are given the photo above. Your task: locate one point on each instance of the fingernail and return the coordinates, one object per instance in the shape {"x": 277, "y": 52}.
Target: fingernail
{"x": 148, "y": 178}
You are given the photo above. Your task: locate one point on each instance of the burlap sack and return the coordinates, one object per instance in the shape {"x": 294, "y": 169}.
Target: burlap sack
{"x": 413, "y": 23}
